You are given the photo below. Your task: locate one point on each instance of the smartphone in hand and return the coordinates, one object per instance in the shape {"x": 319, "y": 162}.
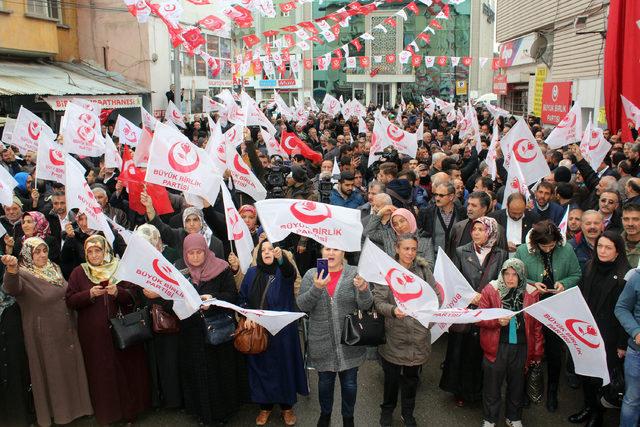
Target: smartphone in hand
{"x": 322, "y": 267}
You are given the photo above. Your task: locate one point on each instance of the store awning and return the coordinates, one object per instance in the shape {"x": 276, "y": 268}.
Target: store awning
{"x": 60, "y": 79}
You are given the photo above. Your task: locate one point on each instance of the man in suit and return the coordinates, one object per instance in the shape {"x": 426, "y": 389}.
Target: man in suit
{"x": 544, "y": 207}
{"x": 516, "y": 220}
{"x": 437, "y": 219}
{"x": 478, "y": 205}
{"x": 608, "y": 208}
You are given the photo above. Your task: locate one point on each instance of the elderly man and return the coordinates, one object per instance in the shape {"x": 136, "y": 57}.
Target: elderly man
{"x": 590, "y": 229}
{"x": 10, "y": 220}
{"x": 516, "y": 220}
{"x": 115, "y": 214}
{"x": 608, "y": 207}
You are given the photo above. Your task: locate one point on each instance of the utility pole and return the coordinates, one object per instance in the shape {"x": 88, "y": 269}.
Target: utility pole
{"x": 177, "y": 99}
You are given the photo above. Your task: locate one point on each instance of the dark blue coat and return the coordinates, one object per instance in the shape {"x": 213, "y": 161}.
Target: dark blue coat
{"x": 277, "y": 375}
{"x": 555, "y": 212}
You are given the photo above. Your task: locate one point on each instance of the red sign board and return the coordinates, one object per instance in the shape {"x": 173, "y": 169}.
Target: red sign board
{"x": 556, "y": 102}
{"x": 500, "y": 84}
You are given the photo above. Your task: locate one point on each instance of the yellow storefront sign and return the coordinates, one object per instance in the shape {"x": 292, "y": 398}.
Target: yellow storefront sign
{"x": 541, "y": 77}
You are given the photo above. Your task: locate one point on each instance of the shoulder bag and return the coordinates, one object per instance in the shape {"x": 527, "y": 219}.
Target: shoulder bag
{"x": 255, "y": 340}
{"x": 132, "y": 328}
{"x": 363, "y": 328}
{"x": 164, "y": 322}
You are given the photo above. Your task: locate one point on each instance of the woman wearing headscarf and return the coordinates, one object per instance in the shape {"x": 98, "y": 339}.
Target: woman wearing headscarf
{"x": 601, "y": 285}
{"x": 552, "y": 267}
{"x": 479, "y": 261}
{"x": 211, "y": 375}
{"x": 249, "y": 215}
{"x": 402, "y": 222}
{"x": 408, "y": 343}
{"x": 22, "y": 190}
{"x": 510, "y": 344}
{"x": 73, "y": 247}
{"x": 35, "y": 224}
{"x": 327, "y": 300}
{"x": 58, "y": 378}
{"x": 277, "y": 375}
{"x": 118, "y": 379}
{"x": 193, "y": 221}
{"x": 163, "y": 350}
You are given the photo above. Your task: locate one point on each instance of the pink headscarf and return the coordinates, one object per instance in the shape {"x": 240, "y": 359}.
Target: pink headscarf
{"x": 406, "y": 214}
{"x": 210, "y": 268}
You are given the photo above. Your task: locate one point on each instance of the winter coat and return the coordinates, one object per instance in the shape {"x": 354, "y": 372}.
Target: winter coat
{"x": 628, "y": 308}
{"x": 326, "y": 318}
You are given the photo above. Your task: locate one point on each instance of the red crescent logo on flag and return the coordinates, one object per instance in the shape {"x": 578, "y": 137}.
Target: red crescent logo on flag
{"x": 163, "y": 271}
{"x": 584, "y": 332}
{"x": 524, "y": 151}
{"x": 55, "y": 157}
{"x": 395, "y": 133}
{"x": 87, "y": 119}
{"x": 183, "y": 158}
{"x": 86, "y": 134}
{"x": 310, "y": 212}
{"x": 129, "y": 134}
{"x": 289, "y": 146}
{"x": 396, "y": 278}
{"x": 169, "y": 7}
{"x": 594, "y": 136}
{"x": 34, "y": 130}
{"x": 221, "y": 153}
{"x": 238, "y": 166}
{"x": 566, "y": 119}
{"x": 141, "y": 5}
{"x": 176, "y": 115}
{"x": 237, "y": 231}
{"x": 440, "y": 290}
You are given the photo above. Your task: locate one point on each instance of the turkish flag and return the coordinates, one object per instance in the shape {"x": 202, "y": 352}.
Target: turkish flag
{"x": 290, "y": 28}
{"x": 390, "y": 58}
{"x": 289, "y": 39}
{"x": 194, "y": 38}
{"x": 442, "y": 61}
{"x": 621, "y": 58}
{"x": 287, "y": 7}
{"x": 336, "y": 63}
{"x": 413, "y": 7}
{"x": 291, "y": 144}
{"x": 416, "y": 60}
{"x": 212, "y": 23}
{"x": 356, "y": 43}
{"x": 133, "y": 178}
{"x": 308, "y": 64}
{"x": 495, "y": 64}
{"x": 435, "y": 24}
{"x": 390, "y": 21}
{"x": 365, "y": 61}
{"x": 251, "y": 40}
{"x": 257, "y": 66}
{"x": 104, "y": 115}
{"x": 309, "y": 26}
{"x": 424, "y": 37}
{"x": 466, "y": 61}
{"x": 270, "y": 33}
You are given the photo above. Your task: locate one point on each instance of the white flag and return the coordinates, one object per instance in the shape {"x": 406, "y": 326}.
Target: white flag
{"x": 243, "y": 177}
{"x": 420, "y": 131}
{"x": 174, "y": 115}
{"x": 123, "y": 232}
{"x": 362, "y": 125}
{"x": 569, "y": 130}
{"x": 631, "y": 111}
{"x": 235, "y": 113}
{"x": 496, "y": 111}
{"x": 255, "y": 116}
{"x": 564, "y": 222}
{"x": 82, "y": 132}
{"x": 594, "y": 146}
{"x": 50, "y": 161}
{"x": 112, "y": 158}
{"x": 332, "y": 226}
{"x": 454, "y": 290}
{"x": 273, "y": 147}
{"x": 516, "y": 183}
{"x": 216, "y": 146}
{"x": 520, "y": 145}
{"x": 492, "y": 154}
{"x": 176, "y": 163}
{"x": 568, "y": 316}
{"x": 128, "y": 133}
{"x": 282, "y": 107}
{"x": 386, "y": 134}
{"x": 466, "y": 315}
{"x": 469, "y": 127}
{"x": 237, "y": 230}
{"x": 148, "y": 121}
{"x": 331, "y": 105}
{"x": 7, "y": 130}
{"x": 29, "y": 131}
{"x": 143, "y": 265}
{"x": 272, "y": 321}
{"x": 80, "y": 196}
{"x": 412, "y": 294}
{"x": 7, "y": 184}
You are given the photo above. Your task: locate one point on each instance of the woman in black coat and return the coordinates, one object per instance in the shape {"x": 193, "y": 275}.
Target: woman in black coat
{"x": 601, "y": 285}
{"x": 480, "y": 262}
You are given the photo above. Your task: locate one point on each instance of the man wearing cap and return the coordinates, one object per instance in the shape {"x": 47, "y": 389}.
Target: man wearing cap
{"x": 299, "y": 186}
{"x": 343, "y": 193}
{"x": 10, "y": 220}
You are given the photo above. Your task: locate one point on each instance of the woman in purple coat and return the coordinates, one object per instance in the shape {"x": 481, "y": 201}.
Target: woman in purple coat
{"x": 276, "y": 375}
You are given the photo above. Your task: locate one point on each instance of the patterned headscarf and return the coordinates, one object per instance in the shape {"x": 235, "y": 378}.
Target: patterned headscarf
{"x": 512, "y": 298}
{"x": 49, "y": 272}
{"x": 151, "y": 234}
{"x": 491, "y": 228}
{"x": 103, "y": 272}
{"x": 204, "y": 230}
{"x": 42, "y": 229}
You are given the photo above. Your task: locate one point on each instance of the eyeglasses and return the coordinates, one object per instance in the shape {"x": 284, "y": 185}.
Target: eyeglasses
{"x": 441, "y": 195}
{"x": 608, "y": 202}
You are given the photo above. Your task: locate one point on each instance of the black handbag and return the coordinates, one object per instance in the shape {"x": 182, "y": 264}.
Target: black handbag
{"x": 132, "y": 328}
{"x": 363, "y": 328}
{"x": 219, "y": 329}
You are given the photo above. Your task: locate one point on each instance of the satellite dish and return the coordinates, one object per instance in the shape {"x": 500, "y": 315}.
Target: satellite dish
{"x": 538, "y": 47}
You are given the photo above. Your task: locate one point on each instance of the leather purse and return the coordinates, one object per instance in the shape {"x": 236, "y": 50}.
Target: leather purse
{"x": 162, "y": 321}
{"x": 250, "y": 341}
{"x": 363, "y": 328}
{"x": 132, "y": 328}
{"x": 219, "y": 329}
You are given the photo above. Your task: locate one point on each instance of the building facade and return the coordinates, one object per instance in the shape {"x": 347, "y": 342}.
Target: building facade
{"x": 564, "y": 43}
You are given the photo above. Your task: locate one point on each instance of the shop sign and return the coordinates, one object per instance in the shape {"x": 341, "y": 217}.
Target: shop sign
{"x": 556, "y": 101}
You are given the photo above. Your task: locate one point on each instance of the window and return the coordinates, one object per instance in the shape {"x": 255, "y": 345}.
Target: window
{"x": 225, "y": 48}
{"x": 213, "y": 45}
{"x": 201, "y": 66}
{"x": 188, "y": 65}
{"x": 44, "y": 8}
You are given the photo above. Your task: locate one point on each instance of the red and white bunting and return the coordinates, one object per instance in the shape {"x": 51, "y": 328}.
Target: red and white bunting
{"x": 29, "y": 130}
{"x": 145, "y": 266}
{"x": 332, "y": 226}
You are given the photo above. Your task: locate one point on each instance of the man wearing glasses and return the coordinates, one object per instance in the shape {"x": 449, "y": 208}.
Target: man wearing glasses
{"x": 437, "y": 219}
{"x": 608, "y": 205}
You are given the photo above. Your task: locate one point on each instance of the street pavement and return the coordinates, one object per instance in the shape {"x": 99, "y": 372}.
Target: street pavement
{"x": 433, "y": 406}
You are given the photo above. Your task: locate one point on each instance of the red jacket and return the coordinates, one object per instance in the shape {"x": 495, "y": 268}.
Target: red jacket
{"x": 490, "y": 329}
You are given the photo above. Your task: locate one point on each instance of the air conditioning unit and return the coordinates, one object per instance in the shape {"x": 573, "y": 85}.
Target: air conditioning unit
{"x": 580, "y": 23}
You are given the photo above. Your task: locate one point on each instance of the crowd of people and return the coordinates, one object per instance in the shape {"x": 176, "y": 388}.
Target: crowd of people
{"x": 59, "y": 362}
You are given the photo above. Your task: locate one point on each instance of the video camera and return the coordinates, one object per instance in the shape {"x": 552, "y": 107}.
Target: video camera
{"x": 276, "y": 179}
